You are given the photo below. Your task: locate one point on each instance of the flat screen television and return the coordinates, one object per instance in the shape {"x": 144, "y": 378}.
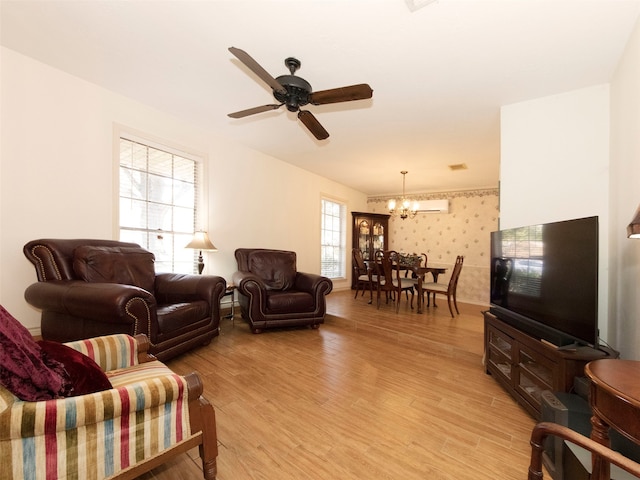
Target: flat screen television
{"x": 544, "y": 280}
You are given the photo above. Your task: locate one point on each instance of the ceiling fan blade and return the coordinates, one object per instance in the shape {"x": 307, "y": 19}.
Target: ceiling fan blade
{"x": 310, "y": 121}
{"x": 343, "y": 94}
{"x": 254, "y": 110}
{"x": 255, "y": 67}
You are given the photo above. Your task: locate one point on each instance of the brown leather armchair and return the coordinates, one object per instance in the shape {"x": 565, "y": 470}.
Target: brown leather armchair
{"x": 272, "y": 293}
{"x": 89, "y": 288}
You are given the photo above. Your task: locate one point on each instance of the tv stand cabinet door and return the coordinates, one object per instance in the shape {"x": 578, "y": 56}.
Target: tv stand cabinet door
{"x": 535, "y": 373}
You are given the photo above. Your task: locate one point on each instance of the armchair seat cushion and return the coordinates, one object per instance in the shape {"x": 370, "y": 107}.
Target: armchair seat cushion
{"x": 142, "y": 372}
{"x": 290, "y": 301}
{"x": 178, "y": 315}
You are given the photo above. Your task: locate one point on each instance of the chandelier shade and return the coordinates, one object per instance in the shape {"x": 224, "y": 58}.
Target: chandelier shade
{"x": 403, "y": 207}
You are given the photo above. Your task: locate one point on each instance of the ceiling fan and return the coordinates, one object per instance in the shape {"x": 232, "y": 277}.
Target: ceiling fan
{"x": 295, "y": 92}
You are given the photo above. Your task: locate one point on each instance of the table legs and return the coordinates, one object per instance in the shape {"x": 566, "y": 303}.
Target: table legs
{"x": 600, "y": 433}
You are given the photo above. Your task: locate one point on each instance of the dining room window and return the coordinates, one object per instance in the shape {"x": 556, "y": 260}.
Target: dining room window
{"x": 333, "y": 242}
{"x": 158, "y": 190}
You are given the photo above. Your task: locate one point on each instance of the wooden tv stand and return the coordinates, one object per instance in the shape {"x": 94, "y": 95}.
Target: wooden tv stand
{"x": 526, "y": 366}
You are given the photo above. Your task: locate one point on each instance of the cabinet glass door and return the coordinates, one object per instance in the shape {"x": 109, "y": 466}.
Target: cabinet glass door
{"x": 378, "y": 237}
{"x": 363, "y": 239}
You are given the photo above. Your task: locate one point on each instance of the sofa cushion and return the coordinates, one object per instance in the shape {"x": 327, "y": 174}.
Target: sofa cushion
{"x": 25, "y": 370}
{"x": 124, "y": 265}
{"x": 292, "y": 301}
{"x": 175, "y": 316}
{"x": 85, "y": 375}
{"x": 276, "y": 268}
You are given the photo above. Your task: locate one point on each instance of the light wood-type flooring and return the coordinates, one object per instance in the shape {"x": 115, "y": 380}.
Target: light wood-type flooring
{"x": 371, "y": 394}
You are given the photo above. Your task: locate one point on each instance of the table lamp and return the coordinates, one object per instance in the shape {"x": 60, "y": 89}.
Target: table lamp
{"x": 200, "y": 242}
{"x": 633, "y": 229}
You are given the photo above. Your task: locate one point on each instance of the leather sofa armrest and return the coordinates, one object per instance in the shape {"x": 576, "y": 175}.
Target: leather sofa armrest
{"x": 313, "y": 283}
{"x": 246, "y": 282}
{"x": 103, "y": 302}
{"x": 178, "y": 287}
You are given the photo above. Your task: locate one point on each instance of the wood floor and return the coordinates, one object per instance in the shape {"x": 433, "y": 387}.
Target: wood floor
{"x": 370, "y": 394}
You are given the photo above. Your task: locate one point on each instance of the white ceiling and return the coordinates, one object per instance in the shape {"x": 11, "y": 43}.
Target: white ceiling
{"x": 439, "y": 73}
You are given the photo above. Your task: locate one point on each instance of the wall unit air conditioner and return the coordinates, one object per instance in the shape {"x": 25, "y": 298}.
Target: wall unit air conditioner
{"x": 433, "y": 206}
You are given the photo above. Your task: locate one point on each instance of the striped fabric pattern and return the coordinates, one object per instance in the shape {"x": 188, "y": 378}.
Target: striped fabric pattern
{"x": 110, "y": 352}
{"x": 97, "y": 435}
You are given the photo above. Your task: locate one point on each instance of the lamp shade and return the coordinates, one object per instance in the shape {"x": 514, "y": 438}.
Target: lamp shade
{"x": 200, "y": 241}
{"x": 633, "y": 229}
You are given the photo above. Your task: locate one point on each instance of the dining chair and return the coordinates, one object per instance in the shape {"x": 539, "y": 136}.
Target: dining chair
{"x": 361, "y": 272}
{"x": 449, "y": 289}
{"x": 417, "y": 261}
{"x": 389, "y": 279}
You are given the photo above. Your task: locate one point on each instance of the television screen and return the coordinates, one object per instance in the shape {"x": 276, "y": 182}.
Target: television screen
{"x": 544, "y": 280}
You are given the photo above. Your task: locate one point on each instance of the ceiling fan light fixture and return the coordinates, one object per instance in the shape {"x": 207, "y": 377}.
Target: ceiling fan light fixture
{"x": 296, "y": 92}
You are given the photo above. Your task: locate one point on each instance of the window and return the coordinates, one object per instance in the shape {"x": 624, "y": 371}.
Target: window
{"x": 333, "y": 241}
{"x": 158, "y": 198}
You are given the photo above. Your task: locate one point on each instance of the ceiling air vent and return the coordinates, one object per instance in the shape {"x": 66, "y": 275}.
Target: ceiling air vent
{"x": 458, "y": 166}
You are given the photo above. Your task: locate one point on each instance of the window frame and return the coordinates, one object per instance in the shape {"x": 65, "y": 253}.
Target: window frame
{"x": 341, "y": 274}
{"x": 200, "y": 186}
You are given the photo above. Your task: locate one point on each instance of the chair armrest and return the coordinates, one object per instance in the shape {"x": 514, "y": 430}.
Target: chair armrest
{"x": 24, "y": 419}
{"x": 542, "y": 430}
{"x": 111, "y": 352}
{"x": 103, "y": 302}
{"x": 178, "y": 287}
{"x": 248, "y": 283}
{"x": 313, "y": 283}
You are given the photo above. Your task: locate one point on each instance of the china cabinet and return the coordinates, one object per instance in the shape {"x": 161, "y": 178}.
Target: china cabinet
{"x": 370, "y": 233}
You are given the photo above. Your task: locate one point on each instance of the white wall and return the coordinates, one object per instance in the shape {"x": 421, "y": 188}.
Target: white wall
{"x": 555, "y": 166}
{"x": 558, "y": 142}
{"x": 624, "y": 312}
{"x": 57, "y": 177}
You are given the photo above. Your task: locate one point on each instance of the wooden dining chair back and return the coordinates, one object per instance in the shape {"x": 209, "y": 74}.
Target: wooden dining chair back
{"x": 389, "y": 278}
{"x": 449, "y": 289}
{"x": 364, "y": 277}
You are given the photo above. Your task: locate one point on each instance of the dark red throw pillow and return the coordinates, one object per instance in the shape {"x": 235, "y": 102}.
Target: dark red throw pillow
{"x": 24, "y": 370}
{"x": 85, "y": 375}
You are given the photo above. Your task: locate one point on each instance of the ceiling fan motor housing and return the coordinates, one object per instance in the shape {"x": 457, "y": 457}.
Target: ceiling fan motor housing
{"x": 298, "y": 92}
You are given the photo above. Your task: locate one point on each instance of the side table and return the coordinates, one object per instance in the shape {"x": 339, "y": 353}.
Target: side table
{"x": 231, "y": 288}
{"x": 615, "y": 401}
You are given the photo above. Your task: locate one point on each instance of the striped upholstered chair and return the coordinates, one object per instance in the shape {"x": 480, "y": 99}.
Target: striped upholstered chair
{"x": 149, "y": 415}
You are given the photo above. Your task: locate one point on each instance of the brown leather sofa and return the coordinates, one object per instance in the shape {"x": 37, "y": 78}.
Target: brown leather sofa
{"x": 89, "y": 288}
{"x": 272, "y": 293}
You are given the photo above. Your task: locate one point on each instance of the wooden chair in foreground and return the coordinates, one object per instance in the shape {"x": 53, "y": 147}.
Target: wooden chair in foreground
{"x": 449, "y": 290}
{"x": 599, "y": 452}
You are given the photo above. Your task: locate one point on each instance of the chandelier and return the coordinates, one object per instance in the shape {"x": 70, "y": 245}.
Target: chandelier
{"x": 406, "y": 208}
